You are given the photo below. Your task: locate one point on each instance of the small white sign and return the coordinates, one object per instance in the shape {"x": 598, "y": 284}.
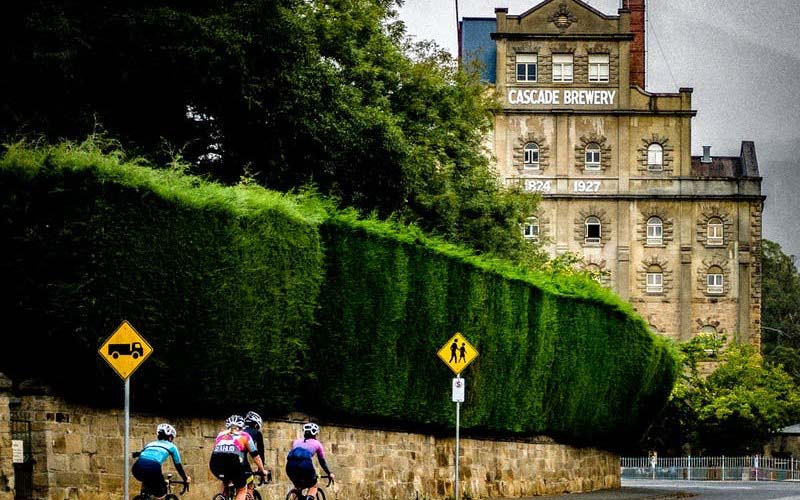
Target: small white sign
{"x": 17, "y": 451}
{"x": 458, "y": 390}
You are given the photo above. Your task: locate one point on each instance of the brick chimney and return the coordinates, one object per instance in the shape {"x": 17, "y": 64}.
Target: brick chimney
{"x": 637, "y": 64}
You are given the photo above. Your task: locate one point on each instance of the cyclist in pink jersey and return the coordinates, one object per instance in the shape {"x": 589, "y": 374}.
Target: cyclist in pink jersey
{"x": 228, "y": 458}
{"x": 299, "y": 464}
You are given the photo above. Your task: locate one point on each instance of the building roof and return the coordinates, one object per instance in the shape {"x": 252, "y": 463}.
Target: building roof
{"x": 744, "y": 165}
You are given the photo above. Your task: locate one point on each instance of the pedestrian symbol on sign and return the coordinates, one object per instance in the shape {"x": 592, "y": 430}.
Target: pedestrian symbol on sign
{"x": 457, "y": 353}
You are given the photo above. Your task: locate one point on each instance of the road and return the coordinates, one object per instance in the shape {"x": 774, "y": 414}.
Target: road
{"x": 734, "y": 490}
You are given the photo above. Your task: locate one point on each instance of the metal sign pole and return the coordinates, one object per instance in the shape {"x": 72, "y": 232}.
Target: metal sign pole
{"x": 127, "y": 437}
{"x": 458, "y": 423}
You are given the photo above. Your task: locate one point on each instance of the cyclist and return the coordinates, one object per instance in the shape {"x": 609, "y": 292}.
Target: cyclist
{"x": 227, "y": 459}
{"x": 299, "y": 464}
{"x": 252, "y": 426}
{"x": 147, "y": 468}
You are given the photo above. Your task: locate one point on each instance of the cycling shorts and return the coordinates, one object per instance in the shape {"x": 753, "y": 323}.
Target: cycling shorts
{"x": 301, "y": 472}
{"x": 227, "y": 467}
{"x": 148, "y": 472}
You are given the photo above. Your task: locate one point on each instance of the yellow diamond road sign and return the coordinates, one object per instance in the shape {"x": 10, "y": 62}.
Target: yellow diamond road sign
{"x": 457, "y": 353}
{"x": 125, "y": 350}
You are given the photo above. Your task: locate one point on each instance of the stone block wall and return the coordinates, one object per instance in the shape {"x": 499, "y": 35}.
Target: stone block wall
{"x": 78, "y": 453}
{"x": 6, "y": 465}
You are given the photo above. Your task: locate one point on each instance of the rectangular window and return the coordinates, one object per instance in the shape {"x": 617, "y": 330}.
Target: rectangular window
{"x": 531, "y": 158}
{"x": 531, "y": 231}
{"x": 655, "y": 234}
{"x": 598, "y": 67}
{"x": 655, "y": 159}
{"x": 715, "y": 232}
{"x": 562, "y": 67}
{"x": 526, "y": 67}
{"x": 655, "y": 282}
{"x": 592, "y": 159}
{"x": 714, "y": 282}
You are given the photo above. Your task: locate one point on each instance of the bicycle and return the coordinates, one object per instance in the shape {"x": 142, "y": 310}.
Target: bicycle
{"x": 299, "y": 493}
{"x": 230, "y": 489}
{"x": 146, "y": 495}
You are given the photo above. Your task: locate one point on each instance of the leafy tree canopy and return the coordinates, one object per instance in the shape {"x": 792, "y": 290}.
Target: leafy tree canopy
{"x": 284, "y": 92}
{"x": 732, "y": 411}
{"x": 780, "y": 287}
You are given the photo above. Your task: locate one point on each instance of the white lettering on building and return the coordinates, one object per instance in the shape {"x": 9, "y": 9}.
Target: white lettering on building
{"x": 554, "y": 97}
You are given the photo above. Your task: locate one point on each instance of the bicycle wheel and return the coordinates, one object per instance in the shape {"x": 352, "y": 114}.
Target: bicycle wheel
{"x": 320, "y": 494}
{"x": 170, "y": 497}
{"x": 292, "y": 495}
{"x": 140, "y": 497}
{"x": 256, "y": 495}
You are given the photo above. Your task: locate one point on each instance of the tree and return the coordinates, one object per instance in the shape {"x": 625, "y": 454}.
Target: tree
{"x": 734, "y": 410}
{"x": 285, "y": 92}
{"x": 780, "y": 292}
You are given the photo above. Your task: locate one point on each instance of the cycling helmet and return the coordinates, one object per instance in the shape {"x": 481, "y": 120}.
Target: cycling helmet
{"x": 254, "y": 418}
{"x": 166, "y": 429}
{"x": 311, "y": 428}
{"x": 235, "y": 421}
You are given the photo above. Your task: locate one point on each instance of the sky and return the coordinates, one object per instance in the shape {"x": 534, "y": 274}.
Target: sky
{"x": 742, "y": 57}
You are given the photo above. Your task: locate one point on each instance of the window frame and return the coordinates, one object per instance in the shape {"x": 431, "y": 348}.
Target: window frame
{"x": 715, "y": 281}
{"x": 657, "y": 285}
{"x": 592, "y": 220}
{"x": 653, "y": 149}
{"x": 594, "y": 149}
{"x": 563, "y": 78}
{"x": 531, "y": 222}
{"x": 534, "y": 149}
{"x": 533, "y": 62}
{"x": 657, "y": 228}
{"x": 718, "y": 236}
{"x": 598, "y": 66}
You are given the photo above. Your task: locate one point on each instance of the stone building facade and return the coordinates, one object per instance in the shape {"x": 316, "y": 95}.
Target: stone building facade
{"x": 677, "y": 236}
{"x": 76, "y": 453}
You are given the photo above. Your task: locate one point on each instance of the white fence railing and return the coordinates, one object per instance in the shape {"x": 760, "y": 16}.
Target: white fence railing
{"x": 754, "y": 468}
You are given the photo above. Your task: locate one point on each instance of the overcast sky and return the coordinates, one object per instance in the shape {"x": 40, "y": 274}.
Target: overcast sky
{"x": 742, "y": 57}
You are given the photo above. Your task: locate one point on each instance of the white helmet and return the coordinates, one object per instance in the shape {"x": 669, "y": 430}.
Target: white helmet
{"x": 235, "y": 421}
{"x": 166, "y": 429}
{"x": 311, "y": 428}
{"x": 253, "y": 417}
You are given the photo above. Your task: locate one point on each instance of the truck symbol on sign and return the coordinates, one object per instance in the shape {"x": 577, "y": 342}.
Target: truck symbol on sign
{"x": 134, "y": 349}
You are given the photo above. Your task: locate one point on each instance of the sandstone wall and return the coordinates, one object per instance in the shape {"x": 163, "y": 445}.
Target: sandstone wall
{"x": 6, "y": 466}
{"x": 78, "y": 453}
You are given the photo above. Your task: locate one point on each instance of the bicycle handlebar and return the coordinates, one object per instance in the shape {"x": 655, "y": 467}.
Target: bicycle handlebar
{"x": 330, "y": 480}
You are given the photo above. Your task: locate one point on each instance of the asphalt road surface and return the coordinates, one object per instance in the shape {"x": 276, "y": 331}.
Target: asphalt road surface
{"x": 734, "y": 490}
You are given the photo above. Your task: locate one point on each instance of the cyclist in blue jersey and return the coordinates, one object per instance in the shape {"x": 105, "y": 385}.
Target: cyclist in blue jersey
{"x": 147, "y": 468}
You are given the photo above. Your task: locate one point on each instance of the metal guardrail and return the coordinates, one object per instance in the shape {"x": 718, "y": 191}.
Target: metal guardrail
{"x": 751, "y": 468}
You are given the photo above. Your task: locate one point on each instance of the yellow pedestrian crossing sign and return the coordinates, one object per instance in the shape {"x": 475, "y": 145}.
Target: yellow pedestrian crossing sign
{"x": 125, "y": 350}
{"x": 457, "y": 353}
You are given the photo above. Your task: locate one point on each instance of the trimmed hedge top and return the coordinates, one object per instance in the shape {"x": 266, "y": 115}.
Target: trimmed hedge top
{"x": 279, "y": 302}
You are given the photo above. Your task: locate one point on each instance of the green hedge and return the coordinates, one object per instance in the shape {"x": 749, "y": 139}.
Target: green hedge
{"x": 259, "y": 299}
{"x": 222, "y": 282}
{"x": 558, "y": 356}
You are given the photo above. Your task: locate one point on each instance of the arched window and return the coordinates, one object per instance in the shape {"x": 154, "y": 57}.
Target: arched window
{"x": 592, "y": 156}
{"x": 709, "y": 330}
{"x": 655, "y": 279}
{"x": 655, "y": 231}
{"x": 593, "y": 230}
{"x": 531, "y": 155}
{"x": 714, "y": 281}
{"x": 531, "y": 229}
{"x": 715, "y": 231}
{"x": 655, "y": 157}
